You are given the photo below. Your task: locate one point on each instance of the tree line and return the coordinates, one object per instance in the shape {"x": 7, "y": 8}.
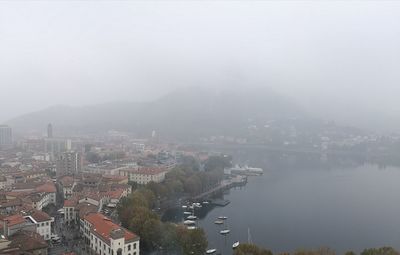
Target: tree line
{"x": 251, "y": 249}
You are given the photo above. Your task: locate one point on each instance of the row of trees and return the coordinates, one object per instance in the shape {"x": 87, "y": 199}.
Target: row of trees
{"x": 251, "y": 249}
{"x": 136, "y": 215}
{"x": 187, "y": 179}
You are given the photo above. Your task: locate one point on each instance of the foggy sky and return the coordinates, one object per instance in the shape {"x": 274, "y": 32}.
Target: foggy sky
{"x": 329, "y": 55}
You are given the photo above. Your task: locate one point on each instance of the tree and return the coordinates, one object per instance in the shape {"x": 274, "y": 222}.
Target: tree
{"x": 350, "y": 253}
{"x": 217, "y": 162}
{"x": 380, "y": 251}
{"x": 192, "y": 242}
{"x": 92, "y": 157}
{"x": 251, "y": 249}
{"x": 320, "y": 251}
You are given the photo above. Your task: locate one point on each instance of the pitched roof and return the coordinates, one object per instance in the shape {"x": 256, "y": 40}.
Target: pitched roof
{"x": 28, "y": 241}
{"x": 39, "y": 216}
{"x": 103, "y": 227}
{"x": 67, "y": 181}
{"x": 48, "y": 187}
{"x": 14, "y": 219}
{"x": 70, "y": 203}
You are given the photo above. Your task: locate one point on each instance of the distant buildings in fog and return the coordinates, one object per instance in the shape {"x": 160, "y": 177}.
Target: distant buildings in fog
{"x": 49, "y": 131}
{"x": 69, "y": 163}
{"x": 6, "y": 140}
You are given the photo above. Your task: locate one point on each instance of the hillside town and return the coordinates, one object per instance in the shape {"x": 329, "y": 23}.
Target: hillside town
{"x": 60, "y": 195}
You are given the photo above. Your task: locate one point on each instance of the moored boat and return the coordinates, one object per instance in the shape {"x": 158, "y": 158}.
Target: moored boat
{"x": 211, "y": 251}
{"x": 219, "y": 222}
{"x": 224, "y": 232}
{"x": 235, "y": 245}
{"x": 222, "y": 217}
{"x": 191, "y": 217}
{"x": 189, "y": 222}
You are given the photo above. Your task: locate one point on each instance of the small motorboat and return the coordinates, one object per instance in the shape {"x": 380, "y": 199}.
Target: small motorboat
{"x": 205, "y": 202}
{"x": 198, "y": 205}
{"x": 191, "y": 217}
{"x": 211, "y": 251}
{"x": 235, "y": 245}
{"x": 191, "y": 227}
{"x": 187, "y": 213}
{"x": 189, "y": 222}
{"x": 219, "y": 222}
{"x": 224, "y": 232}
{"x": 222, "y": 217}
{"x": 184, "y": 206}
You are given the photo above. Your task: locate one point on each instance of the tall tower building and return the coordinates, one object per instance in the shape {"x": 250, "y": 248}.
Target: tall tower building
{"x": 68, "y": 163}
{"x": 5, "y": 136}
{"x": 49, "y": 131}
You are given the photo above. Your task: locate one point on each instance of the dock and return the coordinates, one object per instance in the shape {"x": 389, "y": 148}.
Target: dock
{"x": 224, "y": 185}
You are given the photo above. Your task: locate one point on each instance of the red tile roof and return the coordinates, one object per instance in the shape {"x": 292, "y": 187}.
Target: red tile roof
{"x": 14, "y": 219}
{"x": 70, "y": 203}
{"x": 48, "y": 187}
{"x": 150, "y": 170}
{"x": 39, "y": 216}
{"x": 103, "y": 226}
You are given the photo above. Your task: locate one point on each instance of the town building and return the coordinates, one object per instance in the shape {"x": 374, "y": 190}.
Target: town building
{"x": 145, "y": 175}
{"x": 42, "y": 221}
{"x": 69, "y": 163}
{"x": 67, "y": 184}
{"x": 56, "y": 146}
{"x": 104, "y": 237}
{"x": 5, "y": 136}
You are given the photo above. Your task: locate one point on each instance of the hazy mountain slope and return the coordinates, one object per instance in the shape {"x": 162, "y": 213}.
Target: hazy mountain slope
{"x": 182, "y": 114}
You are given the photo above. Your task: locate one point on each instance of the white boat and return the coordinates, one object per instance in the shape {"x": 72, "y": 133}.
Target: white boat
{"x": 191, "y": 217}
{"x": 187, "y": 213}
{"x": 191, "y": 227}
{"x": 205, "y": 202}
{"x": 189, "y": 222}
{"x": 224, "y": 232}
{"x": 235, "y": 245}
{"x": 222, "y": 217}
{"x": 238, "y": 169}
{"x": 198, "y": 205}
{"x": 219, "y": 222}
{"x": 184, "y": 206}
{"x": 211, "y": 251}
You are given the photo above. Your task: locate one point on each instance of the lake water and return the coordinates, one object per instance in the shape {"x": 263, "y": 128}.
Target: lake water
{"x": 345, "y": 209}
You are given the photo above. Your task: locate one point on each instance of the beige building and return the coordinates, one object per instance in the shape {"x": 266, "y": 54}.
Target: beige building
{"x": 104, "y": 237}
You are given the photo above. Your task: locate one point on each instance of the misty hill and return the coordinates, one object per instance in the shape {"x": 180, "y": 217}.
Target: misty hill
{"x": 184, "y": 113}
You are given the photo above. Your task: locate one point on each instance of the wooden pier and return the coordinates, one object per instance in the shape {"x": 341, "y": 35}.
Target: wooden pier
{"x": 224, "y": 185}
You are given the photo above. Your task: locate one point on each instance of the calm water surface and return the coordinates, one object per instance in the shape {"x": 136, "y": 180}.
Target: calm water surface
{"x": 351, "y": 208}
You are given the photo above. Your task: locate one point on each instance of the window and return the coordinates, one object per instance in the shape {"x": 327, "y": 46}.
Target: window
{"x": 129, "y": 248}
{"x": 134, "y": 246}
{"x": 47, "y": 223}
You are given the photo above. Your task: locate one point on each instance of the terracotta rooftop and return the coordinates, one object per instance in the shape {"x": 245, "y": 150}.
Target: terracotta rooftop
{"x": 48, "y": 187}
{"x": 67, "y": 181}
{"x": 103, "y": 227}
{"x": 150, "y": 170}
{"x": 70, "y": 203}
{"x": 39, "y": 216}
{"x": 14, "y": 219}
{"x": 28, "y": 241}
